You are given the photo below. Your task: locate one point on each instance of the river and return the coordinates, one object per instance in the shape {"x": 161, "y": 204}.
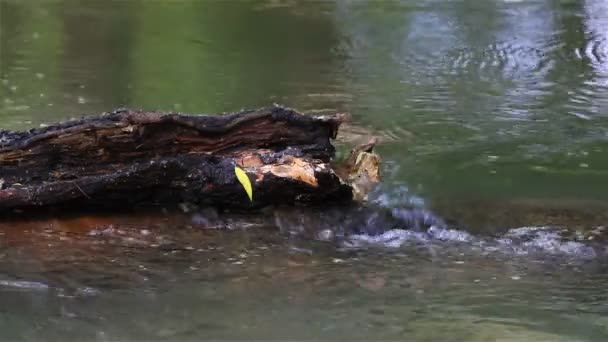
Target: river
{"x": 491, "y": 115}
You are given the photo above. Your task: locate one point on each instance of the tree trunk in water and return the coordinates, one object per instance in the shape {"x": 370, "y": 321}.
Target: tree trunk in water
{"x": 128, "y": 158}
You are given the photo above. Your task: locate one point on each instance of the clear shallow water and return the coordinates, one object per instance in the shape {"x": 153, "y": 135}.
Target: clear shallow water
{"x": 492, "y": 115}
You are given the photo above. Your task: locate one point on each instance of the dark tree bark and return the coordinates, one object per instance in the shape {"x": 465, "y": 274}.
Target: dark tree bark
{"x": 126, "y": 158}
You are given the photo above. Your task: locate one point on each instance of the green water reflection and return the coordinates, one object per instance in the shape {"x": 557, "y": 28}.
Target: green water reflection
{"x": 498, "y": 99}
{"x": 475, "y": 102}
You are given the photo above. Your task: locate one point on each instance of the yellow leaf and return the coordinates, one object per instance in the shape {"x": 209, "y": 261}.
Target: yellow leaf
{"x": 244, "y": 179}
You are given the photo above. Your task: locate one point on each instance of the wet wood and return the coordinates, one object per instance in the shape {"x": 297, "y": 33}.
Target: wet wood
{"x": 129, "y": 158}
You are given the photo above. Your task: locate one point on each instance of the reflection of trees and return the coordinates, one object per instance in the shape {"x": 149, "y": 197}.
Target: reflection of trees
{"x": 516, "y": 60}
{"x": 596, "y": 21}
{"x": 571, "y": 70}
{"x": 30, "y": 46}
{"x": 97, "y": 42}
{"x": 50, "y": 49}
{"x": 469, "y": 78}
{"x": 10, "y": 19}
{"x": 220, "y": 55}
{"x": 216, "y": 55}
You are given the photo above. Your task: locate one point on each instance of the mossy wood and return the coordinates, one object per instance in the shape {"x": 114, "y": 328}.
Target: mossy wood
{"x": 127, "y": 158}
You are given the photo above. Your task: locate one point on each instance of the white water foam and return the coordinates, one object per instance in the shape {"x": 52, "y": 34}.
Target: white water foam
{"x": 519, "y": 241}
{"x": 26, "y": 285}
{"x": 393, "y": 238}
{"x": 524, "y": 240}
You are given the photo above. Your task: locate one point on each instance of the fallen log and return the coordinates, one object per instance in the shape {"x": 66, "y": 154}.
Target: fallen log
{"x": 129, "y": 158}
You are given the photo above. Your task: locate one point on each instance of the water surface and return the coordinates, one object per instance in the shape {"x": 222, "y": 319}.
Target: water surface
{"x": 491, "y": 115}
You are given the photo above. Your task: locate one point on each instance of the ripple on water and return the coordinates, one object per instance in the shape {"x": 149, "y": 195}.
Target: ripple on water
{"x": 595, "y": 50}
{"x": 507, "y": 59}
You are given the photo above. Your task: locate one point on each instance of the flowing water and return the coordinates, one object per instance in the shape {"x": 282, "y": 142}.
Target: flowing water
{"x": 489, "y": 224}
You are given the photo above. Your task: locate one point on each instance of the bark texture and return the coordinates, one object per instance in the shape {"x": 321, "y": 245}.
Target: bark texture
{"x": 128, "y": 157}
